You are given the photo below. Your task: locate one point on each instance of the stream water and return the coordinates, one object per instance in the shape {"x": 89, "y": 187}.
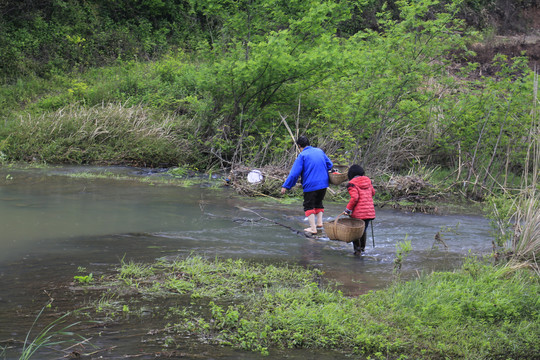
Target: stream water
{"x": 52, "y": 223}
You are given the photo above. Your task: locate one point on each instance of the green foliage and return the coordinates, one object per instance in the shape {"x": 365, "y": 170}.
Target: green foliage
{"x": 491, "y": 114}
{"x": 84, "y": 279}
{"x": 224, "y": 74}
{"x": 46, "y": 37}
{"x": 51, "y": 335}
{"x": 265, "y": 307}
{"x": 178, "y": 172}
{"x": 402, "y": 250}
{"x": 132, "y": 270}
{"x": 500, "y": 211}
{"x": 381, "y": 94}
{"x": 271, "y": 67}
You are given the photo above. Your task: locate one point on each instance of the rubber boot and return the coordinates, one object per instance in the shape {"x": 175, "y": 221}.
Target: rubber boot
{"x": 319, "y": 220}
{"x": 312, "y": 229}
{"x": 363, "y": 242}
{"x": 356, "y": 247}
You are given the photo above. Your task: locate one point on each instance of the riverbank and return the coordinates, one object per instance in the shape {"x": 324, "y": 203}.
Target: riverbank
{"x": 479, "y": 311}
{"x": 409, "y": 193}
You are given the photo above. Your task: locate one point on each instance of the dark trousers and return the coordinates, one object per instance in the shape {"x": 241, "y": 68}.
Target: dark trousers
{"x": 313, "y": 201}
{"x": 359, "y": 245}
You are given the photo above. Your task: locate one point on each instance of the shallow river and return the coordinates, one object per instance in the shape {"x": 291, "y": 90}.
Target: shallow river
{"x": 52, "y": 223}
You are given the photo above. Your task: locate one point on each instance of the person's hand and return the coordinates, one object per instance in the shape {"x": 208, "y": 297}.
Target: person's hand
{"x": 347, "y": 212}
{"x": 283, "y": 190}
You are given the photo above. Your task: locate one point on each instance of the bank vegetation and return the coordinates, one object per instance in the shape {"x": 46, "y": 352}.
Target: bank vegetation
{"x": 476, "y": 312}
{"x": 426, "y": 95}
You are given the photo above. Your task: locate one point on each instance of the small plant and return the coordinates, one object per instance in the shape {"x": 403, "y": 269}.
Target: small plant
{"x": 133, "y": 270}
{"x": 472, "y": 265}
{"x": 178, "y": 172}
{"x": 500, "y": 211}
{"x": 3, "y": 160}
{"x": 48, "y": 336}
{"x": 439, "y": 236}
{"x": 84, "y": 279}
{"x": 403, "y": 249}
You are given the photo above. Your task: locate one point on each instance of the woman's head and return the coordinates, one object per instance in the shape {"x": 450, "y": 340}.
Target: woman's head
{"x": 355, "y": 170}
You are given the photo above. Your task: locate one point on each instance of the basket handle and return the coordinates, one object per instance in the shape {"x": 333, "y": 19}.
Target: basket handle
{"x": 337, "y": 217}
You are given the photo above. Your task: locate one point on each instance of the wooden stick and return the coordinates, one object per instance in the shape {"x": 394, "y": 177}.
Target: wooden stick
{"x": 290, "y": 132}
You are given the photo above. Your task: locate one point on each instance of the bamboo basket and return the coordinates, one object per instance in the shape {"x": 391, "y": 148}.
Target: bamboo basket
{"x": 344, "y": 229}
{"x": 340, "y": 176}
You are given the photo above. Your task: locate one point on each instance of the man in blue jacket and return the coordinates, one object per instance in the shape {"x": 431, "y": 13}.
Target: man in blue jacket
{"x": 313, "y": 166}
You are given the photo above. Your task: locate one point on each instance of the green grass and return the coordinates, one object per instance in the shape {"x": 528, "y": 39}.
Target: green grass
{"x": 51, "y": 335}
{"x": 102, "y": 134}
{"x": 477, "y": 312}
{"x": 154, "y": 180}
{"x": 137, "y": 113}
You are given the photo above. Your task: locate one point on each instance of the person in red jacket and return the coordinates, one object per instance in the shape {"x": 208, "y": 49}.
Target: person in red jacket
{"x": 360, "y": 205}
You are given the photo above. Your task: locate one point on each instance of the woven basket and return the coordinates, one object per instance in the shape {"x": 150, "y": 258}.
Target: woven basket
{"x": 336, "y": 178}
{"x": 339, "y": 176}
{"x": 345, "y": 229}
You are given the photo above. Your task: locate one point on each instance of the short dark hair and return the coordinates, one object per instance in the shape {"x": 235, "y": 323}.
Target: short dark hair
{"x": 355, "y": 170}
{"x": 302, "y": 141}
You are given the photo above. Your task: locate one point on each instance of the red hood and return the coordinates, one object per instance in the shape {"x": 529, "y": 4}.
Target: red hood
{"x": 363, "y": 182}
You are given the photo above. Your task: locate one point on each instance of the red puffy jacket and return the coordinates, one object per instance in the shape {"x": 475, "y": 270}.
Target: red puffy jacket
{"x": 361, "y": 202}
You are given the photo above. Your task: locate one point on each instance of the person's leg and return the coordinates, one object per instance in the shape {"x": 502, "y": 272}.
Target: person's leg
{"x": 356, "y": 247}
{"x": 319, "y": 219}
{"x": 309, "y": 210}
{"x": 363, "y": 242}
{"x": 364, "y": 235}
{"x": 312, "y": 227}
{"x": 318, "y": 205}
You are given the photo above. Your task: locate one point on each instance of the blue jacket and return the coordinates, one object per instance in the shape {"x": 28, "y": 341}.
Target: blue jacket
{"x": 313, "y": 165}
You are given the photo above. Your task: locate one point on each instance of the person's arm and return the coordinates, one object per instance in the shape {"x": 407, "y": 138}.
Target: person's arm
{"x": 294, "y": 174}
{"x": 355, "y": 196}
{"x": 329, "y": 164}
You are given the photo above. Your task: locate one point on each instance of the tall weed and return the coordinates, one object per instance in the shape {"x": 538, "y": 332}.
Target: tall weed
{"x": 110, "y": 133}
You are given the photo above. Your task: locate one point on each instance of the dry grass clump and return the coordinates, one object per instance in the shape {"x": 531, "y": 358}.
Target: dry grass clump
{"x": 107, "y": 133}
{"x": 525, "y": 244}
{"x": 406, "y": 186}
{"x": 99, "y": 124}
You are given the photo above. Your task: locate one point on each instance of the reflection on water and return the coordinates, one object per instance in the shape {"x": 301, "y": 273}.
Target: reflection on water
{"x": 51, "y": 224}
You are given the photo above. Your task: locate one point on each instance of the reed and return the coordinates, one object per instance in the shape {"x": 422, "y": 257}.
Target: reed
{"x": 525, "y": 244}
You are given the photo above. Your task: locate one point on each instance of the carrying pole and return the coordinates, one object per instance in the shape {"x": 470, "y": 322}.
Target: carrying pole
{"x": 372, "y": 236}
